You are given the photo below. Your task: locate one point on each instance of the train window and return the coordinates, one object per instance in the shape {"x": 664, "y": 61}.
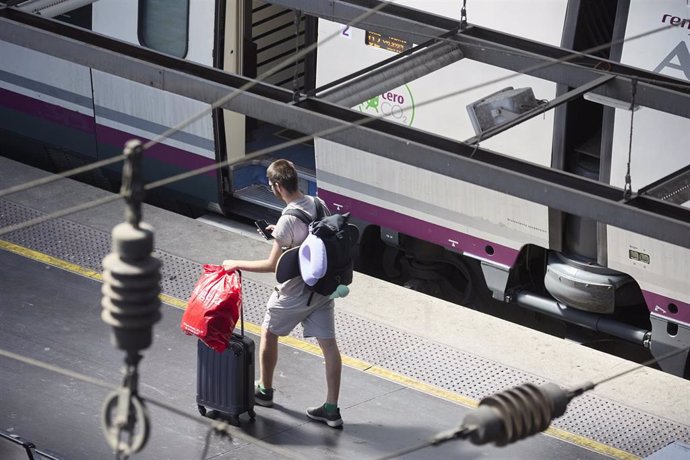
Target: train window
{"x": 164, "y": 25}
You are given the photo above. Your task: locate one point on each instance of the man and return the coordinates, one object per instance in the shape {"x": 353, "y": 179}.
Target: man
{"x": 290, "y": 303}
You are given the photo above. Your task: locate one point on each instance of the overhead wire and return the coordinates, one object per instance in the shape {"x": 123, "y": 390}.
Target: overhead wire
{"x": 60, "y": 213}
{"x": 649, "y": 362}
{"x": 465, "y": 430}
{"x": 213, "y": 424}
{"x": 61, "y": 175}
{"x": 348, "y": 125}
{"x": 434, "y": 440}
{"x": 587, "y": 53}
{"x": 57, "y": 369}
{"x": 250, "y": 156}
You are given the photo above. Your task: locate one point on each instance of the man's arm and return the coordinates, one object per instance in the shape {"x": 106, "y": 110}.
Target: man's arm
{"x": 258, "y": 266}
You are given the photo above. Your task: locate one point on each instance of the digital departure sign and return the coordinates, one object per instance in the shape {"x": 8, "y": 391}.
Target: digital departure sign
{"x": 387, "y": 42}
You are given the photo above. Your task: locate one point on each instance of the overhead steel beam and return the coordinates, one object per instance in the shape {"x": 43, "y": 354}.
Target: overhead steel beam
{"x": 393, "y": 75}
{"x": 53, "y": 8}
{"x": 508, "y": 51}
{"x": 557, "y": 189}
{"x": 674, "y": 188}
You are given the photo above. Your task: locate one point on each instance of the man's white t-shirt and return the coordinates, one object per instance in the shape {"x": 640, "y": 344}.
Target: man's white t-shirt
{"x": 290, "y": 232}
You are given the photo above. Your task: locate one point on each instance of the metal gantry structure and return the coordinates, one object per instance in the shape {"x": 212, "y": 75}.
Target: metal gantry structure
{"x": 642, "y": 213}
{"x": 645, "y": 212}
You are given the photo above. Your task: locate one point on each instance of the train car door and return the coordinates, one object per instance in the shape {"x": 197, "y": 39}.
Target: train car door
{"x": 256, "y": 37}
{"x": 230, "y": 126}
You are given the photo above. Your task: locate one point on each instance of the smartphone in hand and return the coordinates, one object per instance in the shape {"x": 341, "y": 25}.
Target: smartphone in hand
{"x": 261, "y": 225}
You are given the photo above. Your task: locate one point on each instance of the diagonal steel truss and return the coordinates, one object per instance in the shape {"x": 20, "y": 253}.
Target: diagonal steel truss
{"x": 643, "y": 213}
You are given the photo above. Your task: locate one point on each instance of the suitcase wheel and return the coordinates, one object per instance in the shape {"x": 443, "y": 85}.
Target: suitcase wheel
{"x": 252, "y": 414}
{"x": 202, "y": 410}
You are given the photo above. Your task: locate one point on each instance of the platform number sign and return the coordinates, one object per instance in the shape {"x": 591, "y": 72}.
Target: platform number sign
{"x": 346, "y": 31}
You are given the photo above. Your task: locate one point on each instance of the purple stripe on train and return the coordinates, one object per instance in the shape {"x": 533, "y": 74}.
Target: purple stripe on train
{"x": 46, "y": 111}
{"x": 104, "y": 135}
{"x": 442, "y": 236}
{"x": 659, "y": 304}
{"x": 160, "y": 152}
{"x": 667, "y": 307}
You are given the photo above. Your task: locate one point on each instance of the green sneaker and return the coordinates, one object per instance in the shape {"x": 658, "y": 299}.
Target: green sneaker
{"x": 263, "y": 398}
{"x": 331, "y": 419}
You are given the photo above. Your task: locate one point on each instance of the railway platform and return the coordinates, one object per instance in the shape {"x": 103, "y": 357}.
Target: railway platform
{"x": 413, "y": 365}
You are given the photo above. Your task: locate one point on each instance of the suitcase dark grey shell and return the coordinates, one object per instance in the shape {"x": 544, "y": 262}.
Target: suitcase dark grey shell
{"x": 225, "y": 381}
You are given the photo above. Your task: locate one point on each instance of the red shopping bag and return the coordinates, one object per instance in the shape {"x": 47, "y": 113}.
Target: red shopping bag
{"x": 214, "y": 307}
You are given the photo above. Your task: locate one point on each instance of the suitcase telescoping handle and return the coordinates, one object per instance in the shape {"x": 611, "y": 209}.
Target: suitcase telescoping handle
{"x": 239, "y": 274}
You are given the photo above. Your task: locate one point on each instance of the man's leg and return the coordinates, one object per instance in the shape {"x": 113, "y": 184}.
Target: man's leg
{"x": 268, "y": 357}
{"x": 334, "y": 366}
{"x": 319, "y": 324}
{"x": 329, "y": 412}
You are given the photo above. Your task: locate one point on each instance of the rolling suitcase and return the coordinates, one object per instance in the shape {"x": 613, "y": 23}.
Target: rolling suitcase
{"x": 225, "y": 381}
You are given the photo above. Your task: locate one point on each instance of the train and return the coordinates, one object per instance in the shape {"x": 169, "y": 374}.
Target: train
{"x": 426, "y": 230}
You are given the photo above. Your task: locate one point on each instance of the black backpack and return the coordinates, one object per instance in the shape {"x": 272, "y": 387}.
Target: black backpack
{"x": 339, "y": 238}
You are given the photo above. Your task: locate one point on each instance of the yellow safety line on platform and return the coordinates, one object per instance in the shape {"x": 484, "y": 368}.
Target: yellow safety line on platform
{"x": 590, "y": 444}
{"x": 50, "y": 260}
{"x": 348, "y": 361}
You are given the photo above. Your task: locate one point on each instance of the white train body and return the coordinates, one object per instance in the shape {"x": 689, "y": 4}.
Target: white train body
{"x": 488, "y": 225}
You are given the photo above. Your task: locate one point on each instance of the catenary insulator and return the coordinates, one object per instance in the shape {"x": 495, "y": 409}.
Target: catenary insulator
{"x": 132, "y": 188}
{"x": 131, "y": 287}
{"x": 516, "y": 413}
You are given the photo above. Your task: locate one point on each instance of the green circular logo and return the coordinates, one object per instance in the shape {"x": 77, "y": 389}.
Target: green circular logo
{"x": 396, "y": 105}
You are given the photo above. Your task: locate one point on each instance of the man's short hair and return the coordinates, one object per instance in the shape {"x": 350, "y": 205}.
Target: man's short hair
{"x": 284, "y": 173}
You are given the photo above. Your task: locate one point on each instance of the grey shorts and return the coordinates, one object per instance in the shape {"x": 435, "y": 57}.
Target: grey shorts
{"x": 283, "y": 313}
